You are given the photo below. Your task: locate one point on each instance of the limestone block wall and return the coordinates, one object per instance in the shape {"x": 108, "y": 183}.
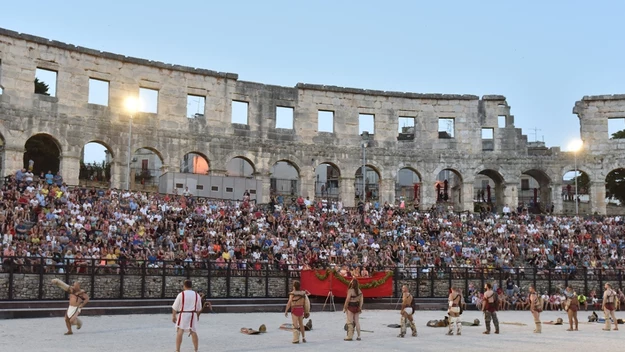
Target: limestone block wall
{"x": 72, "y": 121}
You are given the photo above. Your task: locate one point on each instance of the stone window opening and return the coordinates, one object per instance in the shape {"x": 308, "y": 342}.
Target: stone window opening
{"x": 446, "y": 127}
{"x": 325, "y": 121}
{"x": 148, "y": 99}
{"x": 45, "y": 82}
{"x": 195, "y": 106}
{"x": 501, "y": 121}
{"x": 240, "y": 112}
{"x": 98, "y": 92}
{"x": 488, "y": 139}
{"x": 616, "y": 128}
{"x": 366, "y": 123}
{"x": 406, "y": 128}
{"x": 284, "y": 117}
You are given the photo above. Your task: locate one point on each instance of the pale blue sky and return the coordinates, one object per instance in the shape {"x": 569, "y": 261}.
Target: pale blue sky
{"x": 542, "y": 55}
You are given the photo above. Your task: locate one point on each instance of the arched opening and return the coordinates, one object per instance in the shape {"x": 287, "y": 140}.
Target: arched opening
{"x": 240, "y": 167}
{"x": 195, "y": 163}
{"x": 146, "y": 168}
{"x": 448, "y": 187}
{"x": 535, "y": 191}
{"x": 408, "y": 186}
{"x": 575, "y": 189}
{"x": 371, "y": 184}
{"x": 43, "y": 154}
{"x": 95, "y": 165}
{"x": 615, "y": 191}
{"x": 327, "y": 181}
{"x": 284, "y": 179}
{"x": 488, "y": 192}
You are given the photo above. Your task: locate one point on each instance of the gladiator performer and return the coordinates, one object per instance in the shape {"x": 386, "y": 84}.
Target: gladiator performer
{"x": 185, "y": 312}
{"x": 407, "y": 311}
{"x": 353, "y": 307}
{"x": 77, "y": 299}
{"x": 300, "y": 306}
{"x": 455, "y": 300}
{"x": 490, "y": 308}
{"x": 608, "y": 306}
{"x": 572, "y": 306}
{"x": 536, "y": 307}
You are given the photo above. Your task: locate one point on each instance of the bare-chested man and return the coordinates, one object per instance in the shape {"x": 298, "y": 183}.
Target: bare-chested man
{"x": 407, "y": 310}
{"x": 77, "y": 299}
{"x": 536, "y": 307}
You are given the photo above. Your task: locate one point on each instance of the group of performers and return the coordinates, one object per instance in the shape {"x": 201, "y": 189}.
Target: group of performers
{"x": 189, "y": 305}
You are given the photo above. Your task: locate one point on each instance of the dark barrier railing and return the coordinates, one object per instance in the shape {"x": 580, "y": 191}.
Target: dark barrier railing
{"x": 29, "y": 278}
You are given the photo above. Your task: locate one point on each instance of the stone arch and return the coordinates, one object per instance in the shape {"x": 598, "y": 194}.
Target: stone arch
{"x": 488, "y": 189}
{"x": 448, "y": 186}
{"x": 2, "y": 156}
{"x": 240, "y": 166}
{"x": 408, "y": 182}
{"x": 575, "y": 191}
{"x": 373, "y": 177}
{"x": 327, "y": 180}
{"x": 615, "y": 190}
{"x": 45, "y": 152}
{"x": 291, "y": 159}
{"x": 535, "y": 191}
{"x": 146, "y": 167}
{"x": 285, "y": 178}
{"x": 96, "y": 172}
{"x": 246, "y": 156}
{"x": 195, "y": 163}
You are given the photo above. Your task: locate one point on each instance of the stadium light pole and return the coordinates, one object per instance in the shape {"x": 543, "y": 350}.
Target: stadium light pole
{"x": 364, "y": 144}
{"x": 575, "y": 146}
{"x": 131, "y": 108}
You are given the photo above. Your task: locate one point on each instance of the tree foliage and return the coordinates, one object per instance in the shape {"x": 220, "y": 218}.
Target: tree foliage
{"x": 41, "y": 87}
{"x": 615, "y": 185}
{"x": 583, "y": 182}
{"x": 618, "y": 134}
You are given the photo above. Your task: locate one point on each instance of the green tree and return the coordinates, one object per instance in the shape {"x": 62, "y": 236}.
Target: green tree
{"x": 41, "y": 87}
{"x": 583, "y": 182}
{"x": 615, "y": 185}
{"x": 618, "y": 135}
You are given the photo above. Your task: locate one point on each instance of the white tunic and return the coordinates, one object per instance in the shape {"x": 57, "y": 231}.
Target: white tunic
{"x": 187, "y": 304}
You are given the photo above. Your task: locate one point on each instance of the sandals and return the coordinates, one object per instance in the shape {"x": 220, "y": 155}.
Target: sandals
{"x": 358, "y": 339}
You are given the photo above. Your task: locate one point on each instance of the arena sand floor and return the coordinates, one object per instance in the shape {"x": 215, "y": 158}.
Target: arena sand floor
{"x": 221, "y": 332}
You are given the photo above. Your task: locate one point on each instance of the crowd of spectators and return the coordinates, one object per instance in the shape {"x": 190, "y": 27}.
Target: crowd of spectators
{"x": 47, "y": 225}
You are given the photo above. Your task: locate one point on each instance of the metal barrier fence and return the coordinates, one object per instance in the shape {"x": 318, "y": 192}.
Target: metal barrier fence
{"x": 29, "y": 279}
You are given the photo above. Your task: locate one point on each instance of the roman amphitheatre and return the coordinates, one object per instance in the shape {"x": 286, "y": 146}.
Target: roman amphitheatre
{"x": 414, "y": 141}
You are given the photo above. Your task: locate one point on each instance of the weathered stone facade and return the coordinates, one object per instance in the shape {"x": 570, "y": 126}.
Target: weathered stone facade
{"x": 73, "y": 122}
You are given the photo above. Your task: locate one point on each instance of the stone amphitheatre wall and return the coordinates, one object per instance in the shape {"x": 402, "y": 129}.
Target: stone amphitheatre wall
{"x": 72, "y": 122}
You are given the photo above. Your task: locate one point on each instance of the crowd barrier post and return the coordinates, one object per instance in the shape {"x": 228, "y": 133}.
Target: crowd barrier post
{"x": 432, "y": 275}
{"x": 266, "y": 265}
{"x": 41, "y": 269}
{"x": 143, "y": 272}
{"x": 11, "y": 282}
{"x": 163, "y": 281}
{"x": 466, "y": 282}
{"x": 586, "y": 280}
{"x": 92, "y": 261}
{"x": 418, "y": 279}
{"x": 228, "y": 273}
{"x": 601, "y": 279}
{"x": 247, "y": 277}
{"x": 121, "y": 281}
{"x": 396, "y": 283}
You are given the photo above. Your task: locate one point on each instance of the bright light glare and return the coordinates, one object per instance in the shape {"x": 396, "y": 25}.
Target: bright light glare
{"x": 576, "y": 145}
{"x": 132, "y": 105}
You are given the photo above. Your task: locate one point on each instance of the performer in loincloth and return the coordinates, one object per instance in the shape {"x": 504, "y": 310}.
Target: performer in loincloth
{"x": 353, "y": 307}
{"x": 455, "y": 300}
{"x": 300, "y": 306}
{"x": 608, "y": 305}
{"x": 77, "y": 299}
{"x": 572, "y": 306}
{"x": 185, "y": 310}
{"x": 407, "y": 311}
{"x": 536, "y": 307}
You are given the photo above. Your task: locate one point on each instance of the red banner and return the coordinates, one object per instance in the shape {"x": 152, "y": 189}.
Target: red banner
{"x": 379, "y": 285}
